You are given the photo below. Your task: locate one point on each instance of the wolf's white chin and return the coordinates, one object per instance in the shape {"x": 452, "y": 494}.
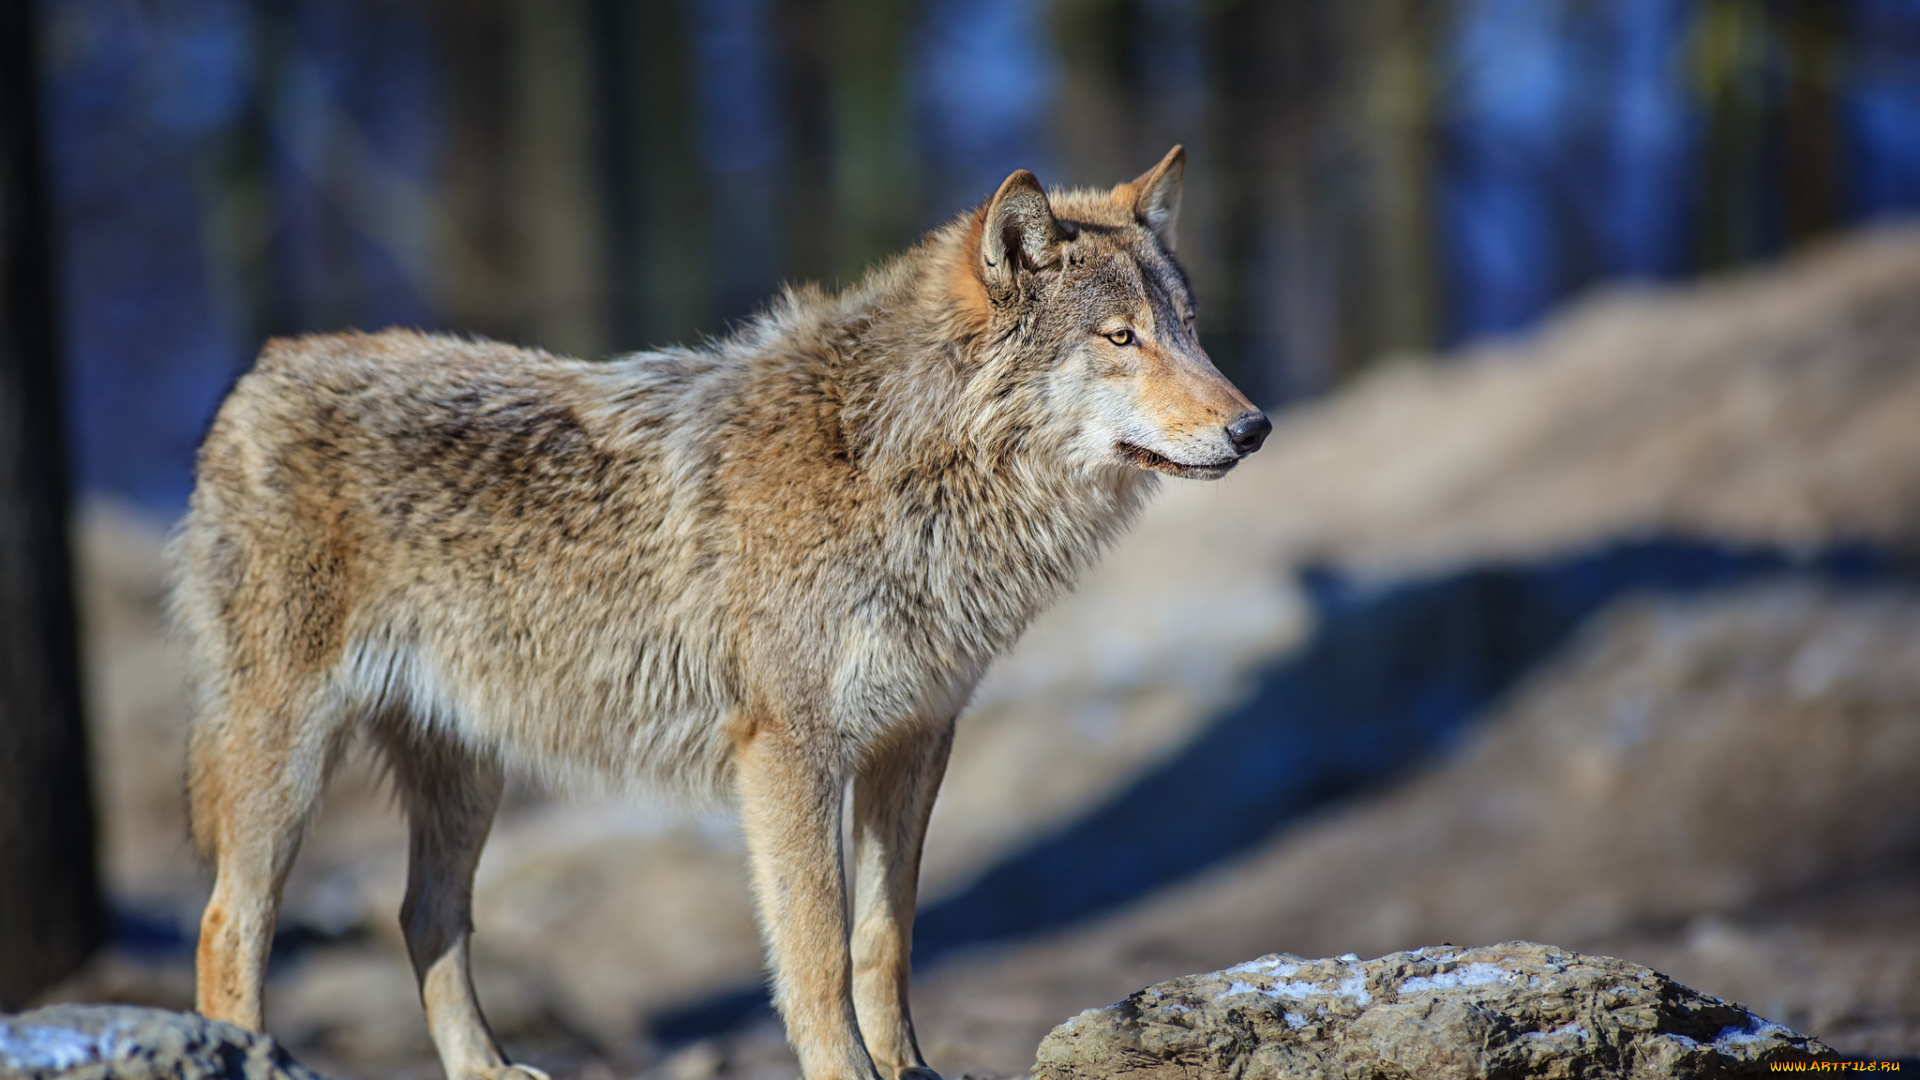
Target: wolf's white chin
{"x": 1142, "y": 458}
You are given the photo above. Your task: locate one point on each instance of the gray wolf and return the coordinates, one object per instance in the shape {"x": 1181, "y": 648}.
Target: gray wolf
{"x": 769, "y": 569}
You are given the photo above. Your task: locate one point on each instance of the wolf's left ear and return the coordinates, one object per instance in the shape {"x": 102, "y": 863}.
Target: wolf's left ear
{"x": 1017, "y": 233}
{"x": 1156, "y": 195}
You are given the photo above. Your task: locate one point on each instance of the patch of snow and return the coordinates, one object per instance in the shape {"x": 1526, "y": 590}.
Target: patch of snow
{"x": 1298, "y": 991}
{"x": 1573, "y": 1029}
{"x": 35, "y": 1046}
{"x": 1270, "y": 966}
{"x": 1294, "y": 1020}
{"x": 1755, "y": 1030}
{"x": 1354, "y": 986}
{"x": 1470, "y": 975}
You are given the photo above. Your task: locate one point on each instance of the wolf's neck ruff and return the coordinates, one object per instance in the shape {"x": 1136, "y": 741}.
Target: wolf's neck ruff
{"x": 952, "y": 431}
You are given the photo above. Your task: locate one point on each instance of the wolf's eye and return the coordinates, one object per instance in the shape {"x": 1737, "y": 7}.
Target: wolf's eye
{"x": 1122, "y": 336}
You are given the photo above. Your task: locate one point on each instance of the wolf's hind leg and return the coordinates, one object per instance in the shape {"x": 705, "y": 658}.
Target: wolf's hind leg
{"x": 893, "y": 795}
{"x": 255, "y": 773}
{"x": 450, "y": 796}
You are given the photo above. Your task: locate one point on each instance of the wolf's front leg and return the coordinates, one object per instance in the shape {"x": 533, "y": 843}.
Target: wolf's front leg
{"x": 791, "y": 792}
{"x": 892, "y": 798}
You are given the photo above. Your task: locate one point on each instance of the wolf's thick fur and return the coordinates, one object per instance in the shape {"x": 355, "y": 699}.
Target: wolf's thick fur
{"x": 759, "y": 569}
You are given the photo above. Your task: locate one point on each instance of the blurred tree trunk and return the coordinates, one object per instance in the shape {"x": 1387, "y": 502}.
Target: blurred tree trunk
{"x": 875, "y": 177}
{"x": 656, "y": 247}
{"x": 550, "y": 154}
{"x": 519, "y": 250}
{"x": 474, "y": 42}
{"x": 1729, "y": 64}
{"x": 617, "y": 163}
{"x": 805, "y": 33}
{"x": 238, "y": 171}
{"x": 50, "y": 911}
{"x": 1103, "y": 86}
{"x": 1282, "y": 229}
{"x": 676, "y": 265}
{"x": 1242, "y": 324}
{"x": 1813, "y": 32}
{"x": 1393, "y": 284}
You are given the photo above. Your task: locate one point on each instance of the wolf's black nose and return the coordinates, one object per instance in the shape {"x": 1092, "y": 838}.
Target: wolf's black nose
{"x": 1248, "y": 431}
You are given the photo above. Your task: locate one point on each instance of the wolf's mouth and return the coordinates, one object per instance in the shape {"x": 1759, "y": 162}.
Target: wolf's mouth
{"x": 1143, "y": 458}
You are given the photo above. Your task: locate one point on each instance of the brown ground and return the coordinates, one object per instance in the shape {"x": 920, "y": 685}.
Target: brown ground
{"x": 1718, "y": 787}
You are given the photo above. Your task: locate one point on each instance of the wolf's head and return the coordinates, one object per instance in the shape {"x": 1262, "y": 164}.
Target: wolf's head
{"x": 1084, "y": 285}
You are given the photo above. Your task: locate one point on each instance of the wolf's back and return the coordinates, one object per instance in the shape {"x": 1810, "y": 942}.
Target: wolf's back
{"x": 453, "y": 527}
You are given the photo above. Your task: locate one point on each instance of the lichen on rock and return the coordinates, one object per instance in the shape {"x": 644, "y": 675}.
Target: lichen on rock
{"x": 1514, "y": 1010}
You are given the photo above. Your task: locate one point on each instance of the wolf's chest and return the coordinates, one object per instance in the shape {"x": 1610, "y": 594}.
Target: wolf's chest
{"x": 923, "y": 640}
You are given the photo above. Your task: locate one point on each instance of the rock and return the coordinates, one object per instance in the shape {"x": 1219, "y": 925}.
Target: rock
{"x": 126, "y": 1042}
{"x": 1511, "y": 1010}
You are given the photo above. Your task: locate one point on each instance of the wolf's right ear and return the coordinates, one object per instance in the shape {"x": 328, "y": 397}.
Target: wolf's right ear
{"x": 1017, "y": 234}
{"x": 1155, "y": 195}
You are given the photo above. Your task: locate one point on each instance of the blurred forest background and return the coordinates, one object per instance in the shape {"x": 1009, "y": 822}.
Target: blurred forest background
{"x": 1368, "y": 177}
{"x": 1576, "y": 596}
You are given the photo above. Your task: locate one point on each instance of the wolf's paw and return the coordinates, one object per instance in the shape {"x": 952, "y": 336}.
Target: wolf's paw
{"x": 514, "y": 1072}
{"x": 917, "y": 1072}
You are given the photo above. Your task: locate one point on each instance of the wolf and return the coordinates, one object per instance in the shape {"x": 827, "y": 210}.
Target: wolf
{"x": 770, "y": 569}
